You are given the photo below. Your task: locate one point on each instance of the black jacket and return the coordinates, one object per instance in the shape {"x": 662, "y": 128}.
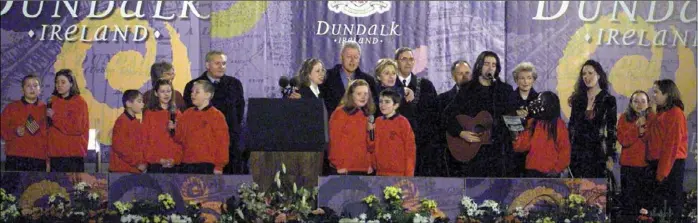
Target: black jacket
{"x": 306, "y": 93}
{"x": 228, "y": 98}
{"x": 333, "y": 88}
{"x": 474, "y": 98}
{"x": 422, "y": 111}
{"x": 600, "y": 129}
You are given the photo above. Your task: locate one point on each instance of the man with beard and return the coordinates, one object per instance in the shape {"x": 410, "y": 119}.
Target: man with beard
{"x": 485, "y": 93}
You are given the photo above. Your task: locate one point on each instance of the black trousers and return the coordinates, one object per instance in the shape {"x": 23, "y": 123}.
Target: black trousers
{"x": 588, "y": 161}
{"x": 237, "y": 160}
{"x": 158, "y": 168}
{"x": 18, "y": 163}
{"x": 196, "y": 168}
{"x": 636, "y": 189}
{"x": 538, "y": 174}
{"x": 488, "y": 162}
{"x": 67, "y": 164}
{"x": 670, "y": 190}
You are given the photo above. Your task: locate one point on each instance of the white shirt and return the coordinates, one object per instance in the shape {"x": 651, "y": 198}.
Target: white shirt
{"x": 315, "y": 89}
{"x": 407, "y": 80}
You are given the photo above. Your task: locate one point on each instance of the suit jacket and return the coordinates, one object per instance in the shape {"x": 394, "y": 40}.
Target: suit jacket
{"x": 306, "y": 93}
{"x": 333, "y": 88}
{"x": 228, "y": 98}
{"x": 421, "y": 112}
{"x": 443, "y": 99}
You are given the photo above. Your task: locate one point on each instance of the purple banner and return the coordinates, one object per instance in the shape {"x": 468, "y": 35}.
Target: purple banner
{"x": 33, "y": 189}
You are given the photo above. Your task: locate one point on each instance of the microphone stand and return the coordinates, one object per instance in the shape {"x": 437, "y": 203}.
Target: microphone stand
{"x": 495, "y": 122}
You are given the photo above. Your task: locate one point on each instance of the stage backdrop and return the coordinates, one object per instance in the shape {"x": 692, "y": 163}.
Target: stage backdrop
{"x": 110, "y": 45}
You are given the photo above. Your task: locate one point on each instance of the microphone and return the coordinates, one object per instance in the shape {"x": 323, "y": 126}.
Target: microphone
{"x": 294, "y": 82}
{"x": 371, "y": 133}
{"x": 49, "y": 120}
{"x": 173, "y": 116}
{"x": 283, "y": 83}
{"x": 490, "y": 76}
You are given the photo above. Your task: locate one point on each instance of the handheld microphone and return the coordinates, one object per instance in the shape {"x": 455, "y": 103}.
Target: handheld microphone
{"x": 283, "y": 83}
{"x": 173, "y": 116}
{"x": 371, "y": 133}
{"x": 49, "y": 120}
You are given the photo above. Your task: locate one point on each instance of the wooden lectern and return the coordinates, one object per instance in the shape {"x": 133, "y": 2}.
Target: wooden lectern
{"x": 293, "y": 132}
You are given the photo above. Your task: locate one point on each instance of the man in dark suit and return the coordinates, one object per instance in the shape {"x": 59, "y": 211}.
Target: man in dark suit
{"x": 420, "y": 110}
{"x": 341, "y": 74}
{"x": 228, "y": 98}
{"x": 461, "y": 73}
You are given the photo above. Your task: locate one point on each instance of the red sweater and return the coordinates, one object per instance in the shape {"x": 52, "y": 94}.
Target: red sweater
{"x": 204, "y": 137}
{"x": 68, "y": 135}
{"x": 349, "y": 140}
{"x": 668, "y": 140}
{"x": 127, "y": 145}
{"x": 634, "y": 147}
{"x": 160, "y": 144}
{"x": 395, "y": 148}
{"x": 28, "y": 145}
{"x": 546, "y": 155}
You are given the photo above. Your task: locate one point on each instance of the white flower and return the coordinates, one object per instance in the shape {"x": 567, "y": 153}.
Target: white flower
{"x": 179, "y": 219}
{"x": 362, "y": 216}
{"x": 81, "y": 186}
{"x": 131, "y": 218}
{"x": 295, "y": 189}
{"x": 491, "y": 204}
{"x": 373, "y": 221}
{"x": 93, "y": 196}
{"x": 520, "y": 212}
{"x": 283, "y": 167}
{"x": 567, "y": 220}
{"x": 51, "y": 198}
{"x": 239, "y": 213}
{"x": 420, "y": 219}
{"x": 387, "y": 216}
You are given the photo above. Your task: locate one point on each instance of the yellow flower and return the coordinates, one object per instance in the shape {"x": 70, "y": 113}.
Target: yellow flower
{"x": 370, "y": 199}
{"x": 392, "y": 192}
{"x": 429, "y": 204}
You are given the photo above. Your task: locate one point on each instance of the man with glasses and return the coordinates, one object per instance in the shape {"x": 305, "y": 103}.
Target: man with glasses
{"x": 420, "y": 110}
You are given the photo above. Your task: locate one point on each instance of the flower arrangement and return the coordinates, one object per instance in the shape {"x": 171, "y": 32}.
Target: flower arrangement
{"x": 8, "y": 207}
{"x": 573, "y": 209}
{"x": 488, "y": 211}
{"x": 283, "y": 202}
{"x": 392, "y": 210}
{"x": 163, "y": 210}
{"x": 81, "y": 205}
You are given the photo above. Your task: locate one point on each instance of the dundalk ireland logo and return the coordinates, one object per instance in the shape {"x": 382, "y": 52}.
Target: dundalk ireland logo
{"x": 359, "y": 8}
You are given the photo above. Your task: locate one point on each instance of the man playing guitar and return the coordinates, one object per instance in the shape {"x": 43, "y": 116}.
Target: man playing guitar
{"x": 486, "y": 97}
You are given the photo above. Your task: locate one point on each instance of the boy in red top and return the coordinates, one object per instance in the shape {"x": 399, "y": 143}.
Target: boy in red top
{"x": 395, "y": 147}
{"x": 546, "y": 137}
{"x": 126, "y": 154}
{"x": 69, "y": 125}
{"x": 162, "y": 153}
{"x": 348, "y": 131}
{"x": 23, "y": 128}
{"x": 203, "y": 133}
{"x": 668, "y": 142}
{"x": 631, "y": 136}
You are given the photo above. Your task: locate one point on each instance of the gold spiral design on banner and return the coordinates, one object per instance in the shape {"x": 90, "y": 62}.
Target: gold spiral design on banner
{"x": 125, "y": 70}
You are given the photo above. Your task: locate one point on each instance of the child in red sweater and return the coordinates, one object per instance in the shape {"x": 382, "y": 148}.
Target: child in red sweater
{"x": 162, "y": 153}
{"x": 668, "y": 142}
{"x": 126, "y": 154}
{"x": 69, "y": 125}
{"x": 546, "y": 139}
{"x": 395, "y": 148}
{"x": 203, "y": 133}
{"x": 24, "y": 129}
{"x": 632, "y": 127}
{"x": 349, "y": 126}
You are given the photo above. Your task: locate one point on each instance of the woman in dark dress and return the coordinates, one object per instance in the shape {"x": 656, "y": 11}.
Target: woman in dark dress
{"x": 592, "y": 123}
{"x": 311, "y": 75}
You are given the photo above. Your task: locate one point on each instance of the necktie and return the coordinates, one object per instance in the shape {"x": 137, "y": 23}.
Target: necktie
{"x": 404, "y": 83}
{"x": 215, "y": 83}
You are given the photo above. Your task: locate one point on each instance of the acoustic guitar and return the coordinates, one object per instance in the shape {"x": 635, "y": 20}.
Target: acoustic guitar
{"x": 465, "y": 151}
